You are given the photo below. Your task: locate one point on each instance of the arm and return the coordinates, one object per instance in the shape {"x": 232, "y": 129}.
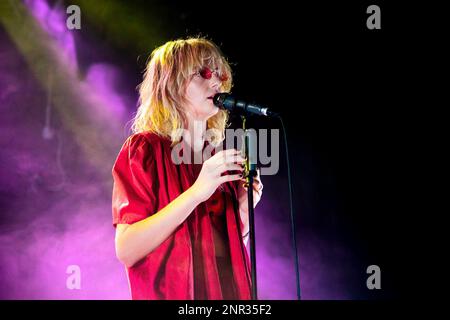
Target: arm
{"x": 246, "y": 228}
{"x": 134, "y": 241}
{"x": 243, "y": 203}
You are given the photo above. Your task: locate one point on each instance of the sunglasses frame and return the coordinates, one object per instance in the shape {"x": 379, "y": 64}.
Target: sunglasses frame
{"x": 206, "y": 73}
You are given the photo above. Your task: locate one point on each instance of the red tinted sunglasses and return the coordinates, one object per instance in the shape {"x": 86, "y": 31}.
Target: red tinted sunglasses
{"x": 206, "y": 73}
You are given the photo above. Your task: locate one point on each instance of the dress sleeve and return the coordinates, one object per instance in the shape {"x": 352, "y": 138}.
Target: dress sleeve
{"x": 135, "y": 182}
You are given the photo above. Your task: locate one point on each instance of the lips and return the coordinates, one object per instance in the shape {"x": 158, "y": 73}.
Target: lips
{"x": 212, "y": 96}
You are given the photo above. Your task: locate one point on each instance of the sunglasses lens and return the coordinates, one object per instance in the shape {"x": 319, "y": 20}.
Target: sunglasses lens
{"x": 223, "y": 77}
{"x": 206, "y": 73}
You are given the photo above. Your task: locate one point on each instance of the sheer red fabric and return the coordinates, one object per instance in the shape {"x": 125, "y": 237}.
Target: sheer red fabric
{"x": 184, "y": 266}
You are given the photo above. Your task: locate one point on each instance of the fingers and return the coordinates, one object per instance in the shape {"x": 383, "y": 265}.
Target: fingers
{"x": 257, "y": 184}
{"x": 257, "y": 187}
{"x": 229, "y": 166}
{"x": 256, "y": 179}
{"x": 227, "y": 153}
{"x": 228, "y": 156}
{"x": 230, "y": 177}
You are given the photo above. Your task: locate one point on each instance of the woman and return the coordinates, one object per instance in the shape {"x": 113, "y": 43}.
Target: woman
{"x": 181, "y": 227}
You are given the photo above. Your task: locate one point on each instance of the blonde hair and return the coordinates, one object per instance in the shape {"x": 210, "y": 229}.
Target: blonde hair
{"x": 162, "y": 91}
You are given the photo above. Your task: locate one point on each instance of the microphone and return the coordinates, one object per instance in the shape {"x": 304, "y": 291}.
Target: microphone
{"x": 225, "y": 101}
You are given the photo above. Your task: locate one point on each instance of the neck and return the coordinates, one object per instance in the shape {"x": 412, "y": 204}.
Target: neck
{"x": 196, "y": 129}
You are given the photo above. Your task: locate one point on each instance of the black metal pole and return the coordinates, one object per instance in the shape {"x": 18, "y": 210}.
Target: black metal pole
{"x": 252, "y": 235}
{"x": 250, "y": 172}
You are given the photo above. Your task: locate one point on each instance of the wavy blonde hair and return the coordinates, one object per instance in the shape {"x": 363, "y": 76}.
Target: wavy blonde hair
{"x": 162, "y": 91}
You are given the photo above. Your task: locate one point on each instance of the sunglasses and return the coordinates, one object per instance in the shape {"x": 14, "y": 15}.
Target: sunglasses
{"x": 206, "y": 73}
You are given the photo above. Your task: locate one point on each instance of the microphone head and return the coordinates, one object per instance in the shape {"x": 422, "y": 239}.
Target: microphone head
{"x": 219, "y": 99}
{"x": 225, "y": 101}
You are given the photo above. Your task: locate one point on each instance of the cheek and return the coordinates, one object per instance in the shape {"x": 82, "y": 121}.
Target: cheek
{"x": 191, "y": 92}
{"x": 195, "y": 92}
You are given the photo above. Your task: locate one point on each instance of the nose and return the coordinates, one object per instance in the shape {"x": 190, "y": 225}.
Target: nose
{"x": 215, "y": 82}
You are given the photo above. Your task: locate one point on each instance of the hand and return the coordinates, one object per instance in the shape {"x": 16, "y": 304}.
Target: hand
{"x": 242, "y": 192}
{"x": 210, "y": 176}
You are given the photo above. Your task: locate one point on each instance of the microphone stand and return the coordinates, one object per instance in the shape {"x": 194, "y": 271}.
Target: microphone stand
{"x": 250, "y": 172}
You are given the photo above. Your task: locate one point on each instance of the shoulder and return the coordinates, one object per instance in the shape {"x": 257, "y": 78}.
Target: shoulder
{"x": 144, "y": 144}
{"x": 143, "y": 138}
{"x": 147, "y": 137}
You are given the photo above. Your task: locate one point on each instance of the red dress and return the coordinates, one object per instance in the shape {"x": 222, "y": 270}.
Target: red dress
{"x": 184, "y": 266}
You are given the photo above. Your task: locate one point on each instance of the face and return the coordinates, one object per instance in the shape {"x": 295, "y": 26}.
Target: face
{"x": 200, "y": 91}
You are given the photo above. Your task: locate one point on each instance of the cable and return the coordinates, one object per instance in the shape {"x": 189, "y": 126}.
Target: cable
{"x": 294, "y": 238}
